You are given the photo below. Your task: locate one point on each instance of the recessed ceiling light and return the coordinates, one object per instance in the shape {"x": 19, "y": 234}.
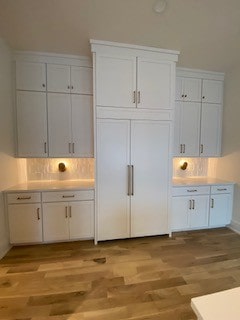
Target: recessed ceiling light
{"x": 159, "y": 6}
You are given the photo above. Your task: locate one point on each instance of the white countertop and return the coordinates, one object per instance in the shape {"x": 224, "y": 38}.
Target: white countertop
{"x": 198, "y": 181}
{"x": 51, "y": 185}
{"x": 222, "y": 305}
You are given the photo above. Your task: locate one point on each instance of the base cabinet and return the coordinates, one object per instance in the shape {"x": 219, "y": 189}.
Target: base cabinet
{"x": 209, "y": 207}
{"x": 25, "y": 217}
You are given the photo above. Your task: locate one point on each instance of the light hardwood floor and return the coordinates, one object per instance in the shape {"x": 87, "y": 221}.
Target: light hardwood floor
{"x": 142, "y": 279}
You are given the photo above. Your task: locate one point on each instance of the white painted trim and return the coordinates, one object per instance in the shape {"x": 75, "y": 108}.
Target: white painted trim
{"x": 197, "y": 73}
{"x": 56, "y": 58}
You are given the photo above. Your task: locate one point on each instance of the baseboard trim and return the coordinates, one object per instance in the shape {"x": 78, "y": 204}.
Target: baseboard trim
{"x": 4, "y": 250}
{"x": 235, "y": 226}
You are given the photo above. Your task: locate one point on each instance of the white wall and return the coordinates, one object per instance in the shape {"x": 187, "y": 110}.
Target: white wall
{"x": 228, "y": 167}
{"x": 8, "y": 164}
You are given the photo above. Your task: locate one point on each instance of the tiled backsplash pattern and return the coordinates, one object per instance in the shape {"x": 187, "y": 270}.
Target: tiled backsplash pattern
{"x": 196, "y": 167}
{"x": 47, "y": 169}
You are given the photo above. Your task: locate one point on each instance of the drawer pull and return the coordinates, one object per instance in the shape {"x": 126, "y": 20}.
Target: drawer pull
{"x": 70, "y": 196}
{"x": 221, "y": 189}
{"x": 193, "y": 190}
{"x": 24, "y": 198}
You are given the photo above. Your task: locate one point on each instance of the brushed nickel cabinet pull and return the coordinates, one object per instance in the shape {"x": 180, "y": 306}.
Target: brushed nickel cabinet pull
{"x": 70, "y": 211}
{"x": 139, "y": 97}
{"x": 24, "y": 198}
{"x": 68, "y": 196}
{"x": 134, "y": 96}
{"x": 66, "y": 212}
{"x": 192, "y": 190}
{"x": 180, "y": 148}
{"x": 184, "y": 148}
{"x": 132, "y": 182}
{"x": 201, "y": 149}
{"x": 190, "y": 204}
{"x": 212, "y": 203}
{"x": 69, "y": 147}
{"x": 73, "y": 147}
{"x": 45, "y": 147}
{"x": 221, "y": 189}
{"x": 193, "y": 206}
{"x": 129, "y": 180}
{"x": 38, "y": 213}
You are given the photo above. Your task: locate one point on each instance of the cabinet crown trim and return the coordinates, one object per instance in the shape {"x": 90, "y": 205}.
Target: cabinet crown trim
{"x": 197, "y": 73}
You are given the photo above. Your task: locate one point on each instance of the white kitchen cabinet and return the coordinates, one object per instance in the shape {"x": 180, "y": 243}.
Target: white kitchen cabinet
{"x": 69, "y": 79}
{"x": 70, "y": 127}
{"x": 221, "y": 205}
{"x": 211, "y": 123}
{"x": 68, "y": 220}
{"x": 212, "y": 91}
{"x": 31, "y": 113}
{"x": 203, "y": 138}
{"x": 187, "y": 128}
{"x": 30, "y": 76}
{"x": 188, "y": 89}
{"x": 25, "y": 218}
{"x": 132, "y": 78}
{"x": 190, "y": 207}
{"x": 133, "y": 168}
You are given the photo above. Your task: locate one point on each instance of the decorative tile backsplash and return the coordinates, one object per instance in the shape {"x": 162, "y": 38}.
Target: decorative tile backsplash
{"x": 47, "y": 169}
{"x": 196, "y": 167}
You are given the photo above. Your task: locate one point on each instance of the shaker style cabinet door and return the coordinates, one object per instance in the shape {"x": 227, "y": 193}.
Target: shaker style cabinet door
{"x": 59, "y": 125}
{"x": 81, "y": 80}
{"x": 150, "y": 148}
{"x": 188, "y": 89}
{"x": 212, "y": 91}
{"x": 153, "y": 84}
{"x": 116, "y": 81}
{"x": 220, "y": 210}
{"x": 82, "y": 126}
{"x": 113, "y": 159}
{"x": 31, "y": 112}
{"x": 58, "y": 78}
{"x": 211, "y": 123}
{"x": 25, "y": 223}
{"x": 30, "y": 76}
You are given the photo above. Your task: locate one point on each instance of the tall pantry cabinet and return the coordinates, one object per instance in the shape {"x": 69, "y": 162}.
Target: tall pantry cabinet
{"x": 134, "y": 91}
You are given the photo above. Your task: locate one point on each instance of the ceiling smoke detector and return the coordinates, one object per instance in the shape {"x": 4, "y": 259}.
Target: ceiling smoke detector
{"x": 159, "y": 6}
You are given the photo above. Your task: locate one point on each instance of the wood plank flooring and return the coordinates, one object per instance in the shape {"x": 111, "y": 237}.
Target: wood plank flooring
{"x": 139, "y": 279}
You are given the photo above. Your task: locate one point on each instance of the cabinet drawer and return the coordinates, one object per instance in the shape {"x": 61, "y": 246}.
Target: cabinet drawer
{"x": 190, "y": 191}
{"x": 67, "y": 195}
{"x": 221, "y": 189}
{"x": 24, "y": 197}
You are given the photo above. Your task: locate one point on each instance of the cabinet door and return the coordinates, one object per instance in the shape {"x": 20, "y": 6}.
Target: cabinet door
{"x": 30, "y": 76}
{"x": 55, "y": 221}
{"x": 212, "y": 91}
{"x": 81, "y": 219}
{"x": 31, "y": 124}
{"x": 180, "y": 213}
{"x": 116, "y": 81}
{"x": 187, "y": 128}
{"x": 113, "y": 201}
{"x": 81, "y": 80}
{"x": 188, "y": 89}
{"x": 25, "y": 223}
{"x": 154, "y": 84}
{"x": 199, "y": 211}
{"x": 58, "y": 78}
{"x": 220, "y": 210}
{"x": 59, "y": 125}
{"x": 211, "y": 123}
{"x": 82, "y": 125}
{"x": 150, "y": 160}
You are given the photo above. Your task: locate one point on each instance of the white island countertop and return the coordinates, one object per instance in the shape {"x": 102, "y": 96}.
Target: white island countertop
{"x": 198, "y": 181}
{"x": 53, "y": 185}
{"x": 222, "y": 305}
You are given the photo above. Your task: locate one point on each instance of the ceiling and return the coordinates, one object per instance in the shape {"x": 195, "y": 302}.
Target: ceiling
{"x": 206, "y": 32}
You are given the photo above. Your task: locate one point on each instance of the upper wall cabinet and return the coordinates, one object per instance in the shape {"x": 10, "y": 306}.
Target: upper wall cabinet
{"x": 30, "y": 76}
{"x": 128, "y": 77}
{"x": 57, "y": 127}
{"x": 69, "y": 79}
{"x": 198, "y": 113}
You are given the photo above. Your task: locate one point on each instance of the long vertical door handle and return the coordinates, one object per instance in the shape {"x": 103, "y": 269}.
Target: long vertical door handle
{"x": 129, "y": 180}
{"x": 201, "y": 149}
{"x": 184, "y": 148}
{"x": 134, "y": 96}
{"x": 193, "y": 204}
{"x": 139, "y": 97}
{"x": 45, "y": 147}
{"x": 180, "y": 148}
{"x": 66, "y": 212}
{"x": 70, "y": 211}
{"x": 132, "y": 180}
{"x": 69, "y": 147}
{"x": 212, "y": 203}
{"x": 73, "y": 147}
{"x": 38, "y": 213}
{"x": 190, "y": 204}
